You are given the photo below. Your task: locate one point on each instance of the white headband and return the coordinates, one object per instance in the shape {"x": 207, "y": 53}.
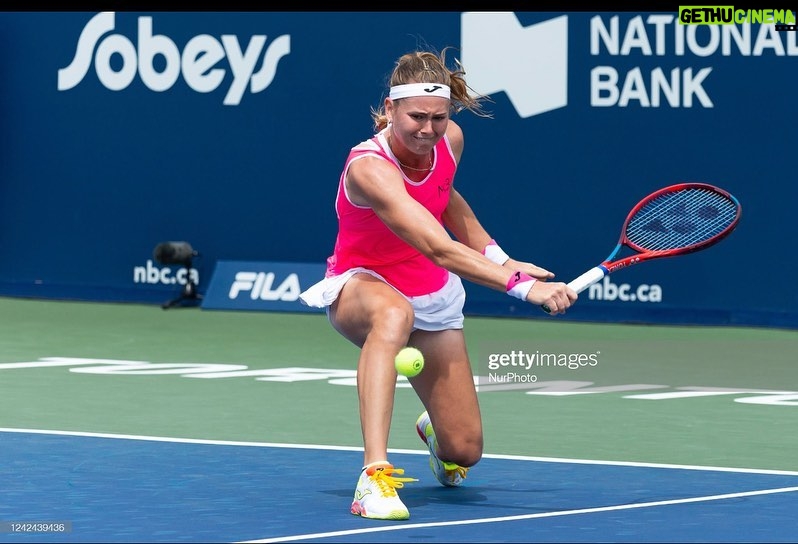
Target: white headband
{"x": 419, "y": 89}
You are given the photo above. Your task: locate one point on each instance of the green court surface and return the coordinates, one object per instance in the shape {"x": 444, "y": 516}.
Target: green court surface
{"x": 725, "y": 397}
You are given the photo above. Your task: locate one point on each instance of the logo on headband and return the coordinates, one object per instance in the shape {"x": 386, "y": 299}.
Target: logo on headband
{"x": 419, "y": 89}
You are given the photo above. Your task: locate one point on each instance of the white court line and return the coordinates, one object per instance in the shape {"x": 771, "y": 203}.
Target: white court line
{"x": 617, "y": 507}
{"x": 402, "y": 451}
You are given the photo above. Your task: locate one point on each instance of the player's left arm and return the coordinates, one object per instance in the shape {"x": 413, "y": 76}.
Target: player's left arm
{"x": 462, "y": 222}
{"x": 459, "y": 218}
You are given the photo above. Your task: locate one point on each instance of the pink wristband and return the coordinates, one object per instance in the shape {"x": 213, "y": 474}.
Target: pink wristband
{"x": 519, "y": 284}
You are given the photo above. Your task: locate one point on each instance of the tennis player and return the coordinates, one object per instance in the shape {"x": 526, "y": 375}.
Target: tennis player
{"x": 394, "y": 277}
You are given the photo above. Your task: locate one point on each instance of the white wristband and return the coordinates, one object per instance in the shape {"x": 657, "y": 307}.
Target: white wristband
{"x": 496, "y": 254}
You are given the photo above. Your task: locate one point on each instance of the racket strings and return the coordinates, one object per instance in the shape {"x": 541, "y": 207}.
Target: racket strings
{"x": 681, "y": 219}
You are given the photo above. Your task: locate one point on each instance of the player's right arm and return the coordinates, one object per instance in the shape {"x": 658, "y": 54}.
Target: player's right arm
{"x": 375, "y": 183}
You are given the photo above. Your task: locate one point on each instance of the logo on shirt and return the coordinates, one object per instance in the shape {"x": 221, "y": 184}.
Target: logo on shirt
{"x": 444, "y": 188}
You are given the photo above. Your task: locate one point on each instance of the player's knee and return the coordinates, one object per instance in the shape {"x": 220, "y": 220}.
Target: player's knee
{"x": 466, "y": 451}
{"x": 394, "y": 321}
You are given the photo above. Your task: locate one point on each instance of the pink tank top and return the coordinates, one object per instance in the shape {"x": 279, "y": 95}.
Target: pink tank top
{"x": 364, "y": 240}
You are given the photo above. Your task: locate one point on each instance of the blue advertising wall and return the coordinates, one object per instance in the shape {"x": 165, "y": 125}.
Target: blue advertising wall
{"x": 228, "y": 130}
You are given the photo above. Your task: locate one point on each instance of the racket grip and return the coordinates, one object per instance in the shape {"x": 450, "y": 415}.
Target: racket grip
{"x": 583, "y": 282}
{"x": 587, "y": 279}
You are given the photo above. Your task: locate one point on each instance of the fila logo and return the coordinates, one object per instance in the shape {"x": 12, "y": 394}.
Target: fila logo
{"x": 259, "y": 285}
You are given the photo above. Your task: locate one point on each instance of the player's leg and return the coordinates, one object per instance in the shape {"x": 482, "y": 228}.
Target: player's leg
{"x": 375, "y": 317}
{"x": 446, "y": 388}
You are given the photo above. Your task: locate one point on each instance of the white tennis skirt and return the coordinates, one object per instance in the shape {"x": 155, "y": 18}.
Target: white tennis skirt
{"x": 437, "y": 311}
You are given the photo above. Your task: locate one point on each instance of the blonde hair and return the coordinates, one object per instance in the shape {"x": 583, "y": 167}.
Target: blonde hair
{"x": 430, "y": 67}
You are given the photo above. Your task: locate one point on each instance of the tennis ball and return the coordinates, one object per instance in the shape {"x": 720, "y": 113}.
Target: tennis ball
{"x": 409, "y": 362}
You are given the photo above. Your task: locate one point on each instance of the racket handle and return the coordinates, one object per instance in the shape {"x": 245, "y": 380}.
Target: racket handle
{"x": 587, "y": 279}
{"x": 583, "y": 282}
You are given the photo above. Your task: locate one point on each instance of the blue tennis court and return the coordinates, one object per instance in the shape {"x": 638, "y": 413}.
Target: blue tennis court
{"x": 150, "y": 489}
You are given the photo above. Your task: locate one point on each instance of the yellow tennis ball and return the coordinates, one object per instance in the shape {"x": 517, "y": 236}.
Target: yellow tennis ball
{"x": 409, "y": 362}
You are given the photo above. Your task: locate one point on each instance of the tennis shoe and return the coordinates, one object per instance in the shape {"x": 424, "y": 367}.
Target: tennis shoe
{"x": 375, "y": 495}
{"x": 448, "y": 474}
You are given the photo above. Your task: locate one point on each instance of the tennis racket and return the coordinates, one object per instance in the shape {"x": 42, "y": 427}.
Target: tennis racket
{"x": 674, "y": 220}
